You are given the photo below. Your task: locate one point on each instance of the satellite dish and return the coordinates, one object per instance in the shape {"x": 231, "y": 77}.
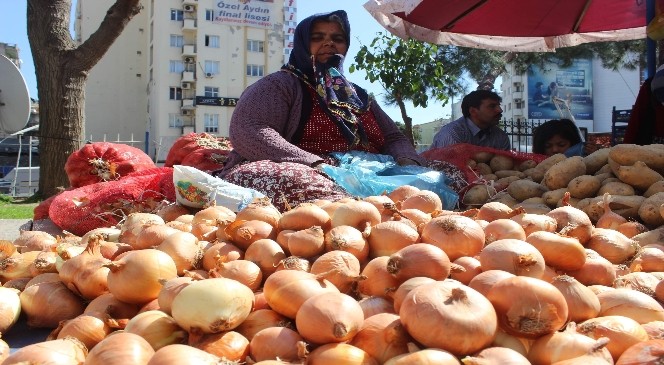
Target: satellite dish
{"x": 14, "y": 98}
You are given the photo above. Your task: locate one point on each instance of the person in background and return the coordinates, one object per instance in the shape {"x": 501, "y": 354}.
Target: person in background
{"x": 538, "y": 95}
{"x": 286, "y": 124}
{"x": 479, "y": 124}
{"x": 646, "y": 121}
{"x": 560, "y": 136}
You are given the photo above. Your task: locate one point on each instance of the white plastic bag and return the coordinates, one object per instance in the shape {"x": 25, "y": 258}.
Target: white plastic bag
{"x": 197, "y": 189}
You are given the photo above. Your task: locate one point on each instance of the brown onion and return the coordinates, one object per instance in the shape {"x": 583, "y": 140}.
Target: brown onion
{"x": 172, "y": 211}
{"x": 261, "y": 319}
{"x": 341, "y": 268}
{"x": 514, "y": 256}
{"x": 649, "y": 258}
{"x": 612, "y": 245}
{"x": 359, "y": 214}
{"x": 503, "y": 228}
{"x": 375, "y": 305}
{"x": 640, "y": 281}
{"x": 406, "y": 287}
{"x": 134, "y": 223}
{"x": 18, "y": 266}
{"x": 230, "y": 345}
{"x": 307, "y": 243}
{"x": 455, "y": 234}
{"x": 48, "y": 303}
{"x": 350, "y": 239}
{"x": 631, "y": 228}
{"x": 595, "y": 271}
{"x": 90, "y": 330}
{"x": 86, "y": 274}
{"x": 465, "y": 268}
{"x": 483, "y": 281}
{"x": 120, "y": 348}
{"x": 419, "y": 259}
{"x": 286, "y": 290}
{"x": 135, "y": 278}
{"x": 244, "y": 233}
{"x": 540, "y": 309}
{"x": 35, "y": 241}
{"x": 561, "y": 252}
{"x": 535, "y": 222}
{"x": 294, "y": 263}
{"x": 582, "y": 303}
{"x": 389, "y": 237}
{"x": 496, "y": 210}
{"x": 156, "y": 327}
{"x": 649, "y": 352}
{"x": 277, "y": 343}
{"x": 572, "y": 222}
{"x": 609, "y": 219}
{"x": 58, "y": 352}
{"x": 565, "y": 345}
{"x": 225, "y": 250}
{"x": 178, "y": 354}
{"x": 402, "y": 192}
{"x": 496, "y": 355}
{"x": 378, "y": 280}
{"x": 654, "y": 329}
{"x": 329, "y": 317}
{"x": 622, "y": 332}
{"x": 630, "y": 303}
{"x": 382, "y": 336}
{"x": 152, "y": 236}
{"x": 340, "y": 353}
{"x": 242, "y": 271}
{"x": 262, "y": 210}
{"x": 169, "y": 290}
{"x": 266, "y": 253}
{"x": 106, "y": 305}
{"x": 10, "y": 308}
{"x": 303, "y": 216}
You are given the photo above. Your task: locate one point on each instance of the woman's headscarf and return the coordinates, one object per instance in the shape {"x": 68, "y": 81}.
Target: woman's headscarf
{"x": 336, "y": 95}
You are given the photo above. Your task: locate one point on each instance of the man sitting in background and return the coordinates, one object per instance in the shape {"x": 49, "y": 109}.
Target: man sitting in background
{"x": 479, "y": 124}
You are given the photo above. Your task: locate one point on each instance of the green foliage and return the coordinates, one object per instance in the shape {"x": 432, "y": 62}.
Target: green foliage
{"x": 417, "y": 135}
{"x": 14, "y": 209}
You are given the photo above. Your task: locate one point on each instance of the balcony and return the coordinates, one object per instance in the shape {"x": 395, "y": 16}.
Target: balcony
{"x": 517, "y": 79}
{"x": 517, "y": 95}
{"x": 188, "y": 50}
{"x": 187, "y": 103}
{"x": 188, "y": 76}
{"x": 189, "y": 25}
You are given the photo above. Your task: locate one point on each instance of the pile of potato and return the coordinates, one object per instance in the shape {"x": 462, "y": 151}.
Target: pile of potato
{"x": 630, "y": 174}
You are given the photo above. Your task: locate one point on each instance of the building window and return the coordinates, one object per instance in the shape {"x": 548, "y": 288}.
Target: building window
{"x": 518, "y": 104}
{"x": 177, "y": 14}
{"x": 211, "y": 124}
{"x": 211, "y": 92}
{"x": 518, "y": 87}
{"x": 176, "y": 66}
{"x": 255, "y": 70}
{"x": 175, "y": 121}
{"x": 212, "y": 67}
{"x": 177, "y": 40}
{"x": 175, "y": 93}
{"x": 255, "y": 46}
{"x": 209, "y": 14}
{"x": 212, "y": 41}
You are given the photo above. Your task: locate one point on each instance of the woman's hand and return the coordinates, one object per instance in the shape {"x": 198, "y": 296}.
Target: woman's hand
{"x": 405, "y": 161}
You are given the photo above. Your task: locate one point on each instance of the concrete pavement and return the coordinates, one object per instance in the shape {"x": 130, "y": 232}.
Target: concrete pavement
{"x": 10, "y": 228}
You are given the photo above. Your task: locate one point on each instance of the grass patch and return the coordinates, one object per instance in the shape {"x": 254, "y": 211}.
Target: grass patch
{"x": 11, "y": 208}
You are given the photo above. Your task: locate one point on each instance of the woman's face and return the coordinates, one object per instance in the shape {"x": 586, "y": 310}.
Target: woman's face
{"x": 326, "y": 40}
{"x": 556, "y": 144}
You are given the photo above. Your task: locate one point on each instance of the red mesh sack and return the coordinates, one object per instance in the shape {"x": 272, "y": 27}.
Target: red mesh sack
{"x": 206, "y": 159}
{"x": 105, "y": 204}
{"x": 41, "y": 210}
{"x": 185, "y": 145}
{"x": 104, "y": 161}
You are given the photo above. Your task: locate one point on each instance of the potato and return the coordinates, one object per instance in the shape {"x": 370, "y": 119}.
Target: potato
{"x": 627, "y": 154}
{"x": 535, "y": 208}
{"x": 626, "y": 206}
{"x": 607, "y": 176}
{"x": 552, "y": 197}
{"x": 535, "y": 174}
{"x": 639, "y": 175}
{"x": 502, "y": 184}
{"x": 603, "y": 170}
{"x": 483, "y": 169}
{"x": 471, "y": 163}
{"x": 534, "y": 200}
{"x": 596, "y": 160}
{"x": 609, "y": 180}
{"x": 584, "y": 186}
{"x": 649, "y": 210}
{"x": 550, "y": 161}
{"x": 476, "y": 195}
{"x": 657, "y": 187}
{"x": 560, "y": 174}
{"x": 527, "y": 164}
{"x": 509, "y": 173}
{"x": 505, "y": 198}
{"x": 616, "y": 188}
{"x": 489, "y": 177}
{"x": 525, "y": 189}
{"x": 500, "y": 162}
{"x": 483, "y": 156}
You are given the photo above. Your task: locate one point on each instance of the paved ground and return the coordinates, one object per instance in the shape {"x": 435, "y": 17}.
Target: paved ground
{"x": 10, "y": 228}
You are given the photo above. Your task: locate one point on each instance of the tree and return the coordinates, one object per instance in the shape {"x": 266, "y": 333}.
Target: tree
{"x": 417, "y": 135}
{"x": 399, "y": 66}
{"x": 62, "y": 70}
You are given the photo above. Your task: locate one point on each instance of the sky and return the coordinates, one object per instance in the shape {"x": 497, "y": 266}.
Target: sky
{"x": 364, "y": 28}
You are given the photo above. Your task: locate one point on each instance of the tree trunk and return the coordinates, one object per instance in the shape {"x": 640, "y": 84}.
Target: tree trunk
{"x": 407, "y": 121}
{"x": 62, "y": 70}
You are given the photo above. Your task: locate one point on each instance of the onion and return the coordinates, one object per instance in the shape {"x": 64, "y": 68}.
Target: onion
{"x": 260, "y": 209}
{"x": 424, "y": 200}
{"x": 378, "y": 280}
{"x": 630, "y": 303}
{"x": 266, "y": 253}
{"x": 156, "y": 327}
{"x": 406, "y": 287}
{"x": 44, "y": 262}
{"x": 520, "y": 345}
{"x": 649, "y": 258}
{"x": 282, "y": 239}
{"x": 483, "y": 281}
{"x": 419, "y": 259}
{"x": 654, "y": 329}
{"x": 640, "y": 281}
{"x": 572, "y": 222}
{"x": 649, "y": 352}
{"x": 659, "y": 291}
{"x": 535, "y": 222}
{"x": 86, "y": 274}
{"x": 341, "y": 268}
{"x": 622, "y": 332}
{"x": 389, "y": 237}
{"x": 307, "y": 243}
{"x": 514, "y": 256}
{"x": 382, "y": 336}
{"x": 286, "y": 290}
{"x": 329, "y": 317}
{"x": 17, "y": 266}
{"x": 561, "y": 252}
{"x": 192, "y": 311}
{"x": 350, "y": 239}
{"x": 450, "y": 316}
{"x": 595, "y": 271}
{"x": 294, "y": 263}
{"x": 582, "y": 303}
{"x": 10, "y": 308}
{"x": 210, "y": 216}
{"x": 230, "y": 345}
{"x": 496, "y": 355}
{"x": 496, "y": 210}
{"x": 425, "y": 356}
{"x": 244, "y": 233}
{"x": 261, "y": 319}
{"x": 455, "y": 234}
{"x": 242, "y": 271}
{"x": 540, "y": 309}
{"x": 566, "y": 345}
{"x": 180, "y": 226}
{"x": 58, "y": 352}
{"x": 225, "y": 250}
{"x": 379, "y": 201}
{"x": 303, "y": 216}
{"x": 339, "y": 353}
{"x": 135, "y": 278}
{"x": 106, "y": 305}
{"x": 612, "y": 245}
{"x": 7, "y": 249}
{"x": 465, "y": 268}
{"x": 277, "y": 343}
{"x": 34, "y": 241}
{"x": 402, "y": 192}
{"x": 169, "y": 290}
{"x": 609, "y": 219}
{"x": 120, "y": 348}
{"x": 134, "y": 223}
{"x": 178, "y": 354}
{"x": 376, "y": 305}
{"x": 631, "y": 228}
{"x": 648, "y": 237}
{"x": 359, "y": 214}
{"x": 172, "y": 211}
{"x": 90, "y": 330}
{"x": 18, "y": 284}
{"x": 503, "y": 228}
{"x": 48, "y": 303}
{"x": 152, "y": 236}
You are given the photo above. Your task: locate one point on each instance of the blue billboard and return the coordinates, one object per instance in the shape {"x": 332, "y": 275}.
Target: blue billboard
{"x": 572, "y": 84}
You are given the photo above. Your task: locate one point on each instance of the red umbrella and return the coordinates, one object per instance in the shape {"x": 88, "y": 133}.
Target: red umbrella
{"x": 512, "y": 25}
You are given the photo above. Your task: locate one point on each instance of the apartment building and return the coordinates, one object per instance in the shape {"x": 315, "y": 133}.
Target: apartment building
{"x": 180, "y": 66}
